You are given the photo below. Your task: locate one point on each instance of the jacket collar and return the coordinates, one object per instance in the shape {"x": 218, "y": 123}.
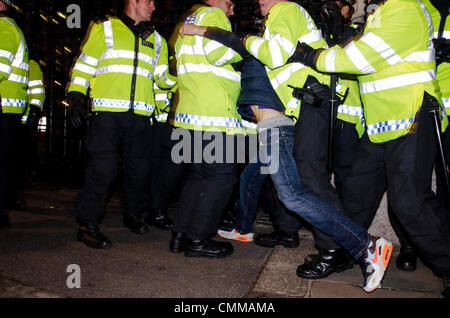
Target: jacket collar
{"x": 139, "y": 29}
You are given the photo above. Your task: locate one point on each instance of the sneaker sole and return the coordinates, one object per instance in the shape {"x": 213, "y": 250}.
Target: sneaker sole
{"x": 383, "y": 262}
{"x": 240, "y": 238}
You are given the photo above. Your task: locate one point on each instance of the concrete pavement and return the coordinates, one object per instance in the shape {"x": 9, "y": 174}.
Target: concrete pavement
{"x": 40, "y": 258}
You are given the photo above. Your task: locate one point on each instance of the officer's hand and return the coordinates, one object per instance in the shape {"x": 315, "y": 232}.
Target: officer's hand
{"x": 77, "y": 110}
{"x": 305, "y": 55}
{"x": 33, "y": 118}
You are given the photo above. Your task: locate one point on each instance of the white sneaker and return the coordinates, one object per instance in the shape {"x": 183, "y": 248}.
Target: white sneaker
{"x": 375, "y": 261}
{"x": 235, "y": 235}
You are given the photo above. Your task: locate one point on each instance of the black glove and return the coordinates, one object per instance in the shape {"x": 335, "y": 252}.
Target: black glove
{"x": 442, "y": 48}
{"x": 33, "y": 118}
{"x": 77, "y": 110}
{"x": 305, "y": 55}
{"x": 334, "y": 19}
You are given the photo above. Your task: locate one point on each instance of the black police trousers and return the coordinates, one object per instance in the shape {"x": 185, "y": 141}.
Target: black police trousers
{"x": 113, "y": 141}
{"x": 207, "y": 190}
{"x": 403, "y": 167}
{"x": 9, "y": 127}
{"x": 166, "y": 176}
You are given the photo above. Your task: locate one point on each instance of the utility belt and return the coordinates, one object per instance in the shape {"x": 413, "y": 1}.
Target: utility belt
{"x": 315, "y": 93}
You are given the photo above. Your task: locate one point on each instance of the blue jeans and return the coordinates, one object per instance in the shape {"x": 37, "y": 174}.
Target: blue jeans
{"x": 283, "y": 171}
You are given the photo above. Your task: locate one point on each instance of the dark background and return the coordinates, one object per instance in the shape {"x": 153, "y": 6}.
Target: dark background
{"x": 55, "y": 46}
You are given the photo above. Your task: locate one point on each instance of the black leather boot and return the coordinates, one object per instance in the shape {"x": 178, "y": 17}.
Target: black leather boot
{"x": 325, "y": 263}
{"x": 90, "y": 235}
{"x": 159, "y": 219}
{"x": 278, "y": 237}
{"x": 177, "y": 243}
{"x": 208, "y": 248}
{"x": 135, "y": 224}
{"x": 407, "y": 258}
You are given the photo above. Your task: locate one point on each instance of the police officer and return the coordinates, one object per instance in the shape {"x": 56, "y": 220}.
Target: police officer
{"x": 398, "y": 88}
{"x": 208, "y": 90}
{"x": 120, "y": 60}
{"x": 13, "y": 94}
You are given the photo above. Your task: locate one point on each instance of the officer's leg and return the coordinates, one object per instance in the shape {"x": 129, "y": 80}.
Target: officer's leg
{"x": 409, "y": 164}
{"x": 9, "y": 124}
{"x": 136, "y": 152}
{"x": 102, "y": 146}
{"x": 216, "y": 182}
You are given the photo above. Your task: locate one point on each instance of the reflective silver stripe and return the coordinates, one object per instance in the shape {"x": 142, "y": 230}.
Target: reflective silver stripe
{"x": 421, "y": 56}
{"x": 159, "y": 97}
{"x": 85, "y": 68}
{"x": 80, "y": 81}
{"x": 11, "y": 102}
{"x": 201, "y": 16}
{"x": 107, "y": 28}
{"x": 204, "y": 68}
{"x": 161, "y": 69}
{"x": 20, "y": 54}
{"x": 311, "y": 37}
{"x": 18, "y": 78}
{"x": 35, "y": 101}
{"x": 330, "y": 60}
{"x": 274, "y": 48}
{"x": 127, "y": 69}
{"x": 254, "y": 47}
{"x": 88, "y": 59}
{"x": 379, "y": 45}
{"x": 389, "y": 125}
{"x": 248, "y": 124}
{"x": 430, "y": 24}
{"x": 116, "y": 54}
{"x": 124, "y": 104}
{"x": 35, "y": 91}
{"x": 157, "y": 47}
{"x": 358, "y": 59}
{"x": 208, "y": 120}
{"x": 211, "y": 46}
{"x": 7, "y": 55}
{"x": 5, "y": 68}
{"x": 35, "y": 83}
{"x": 190, "y": 50}
{"x": 446, "y": 34}
{"x": 229, "y": 54}
{"x": 285, "y": 74}
{"x": 397, "y": 81}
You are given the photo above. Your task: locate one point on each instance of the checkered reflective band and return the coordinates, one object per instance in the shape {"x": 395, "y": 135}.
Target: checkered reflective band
{"x": 13, "y": 102}
{"x": 389, "y": 125}
{"x": 208, "y": 120}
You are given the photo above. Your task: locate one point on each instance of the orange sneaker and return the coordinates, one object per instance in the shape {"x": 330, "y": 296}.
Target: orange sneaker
{"x": 235, "y": 235}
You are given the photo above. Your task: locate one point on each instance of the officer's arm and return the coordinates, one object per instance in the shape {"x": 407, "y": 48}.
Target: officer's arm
{"x": 163, "y": 78}
{"x": 8, "y": 45}
{"x": 378, "y": 48}
{"x": 36, "y": 90}
{"x": 85, "y": 67}
{"x": 216, "y": 53}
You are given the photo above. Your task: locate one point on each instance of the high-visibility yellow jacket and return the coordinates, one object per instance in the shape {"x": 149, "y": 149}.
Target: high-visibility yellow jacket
{"x": 395, "y": 63}
{"x": 36, "y": 90}
{"x": 120, "y": 68}
{"x": 208, "y": 86}
{"x": 163, "y": 99}
{"x": 351, "y": 109}
{"x": 443, "y": 71}
{"x": 13, "y": 67}
{"x": 287, "y": 23}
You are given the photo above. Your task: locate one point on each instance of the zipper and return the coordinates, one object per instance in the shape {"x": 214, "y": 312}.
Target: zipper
{"x": 135, "y": 66}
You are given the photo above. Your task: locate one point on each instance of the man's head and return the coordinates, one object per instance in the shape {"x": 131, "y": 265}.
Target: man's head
{"x": 140, "y": 10}
{"x": 266, "y": 5}
{"x": 221, "y": 4}
{"x": 5, "y": 5}
{"x": 230, "y": 11}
